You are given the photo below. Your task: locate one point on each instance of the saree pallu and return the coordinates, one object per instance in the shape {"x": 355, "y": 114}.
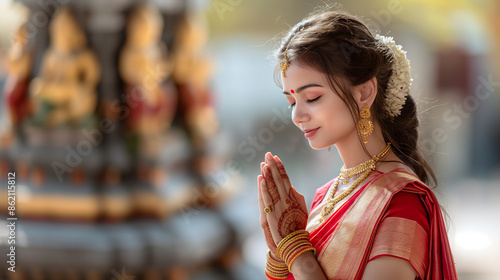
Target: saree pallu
{"x": 355, "y": 233}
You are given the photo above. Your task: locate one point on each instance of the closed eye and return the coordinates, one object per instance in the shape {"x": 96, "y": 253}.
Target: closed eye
{"x": 313, "y": 100}
{"x": 308, "y": 101}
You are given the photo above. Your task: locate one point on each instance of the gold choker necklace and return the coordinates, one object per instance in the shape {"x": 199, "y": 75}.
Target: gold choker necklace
{"x": 364, "y": 168}
{"x": 347, "y": 173}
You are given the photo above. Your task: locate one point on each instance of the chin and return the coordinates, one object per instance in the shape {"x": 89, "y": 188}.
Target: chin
{"x": 315, "y": 146}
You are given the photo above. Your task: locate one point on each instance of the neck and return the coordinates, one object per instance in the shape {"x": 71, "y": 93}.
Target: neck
{"x": 351, "y": 151}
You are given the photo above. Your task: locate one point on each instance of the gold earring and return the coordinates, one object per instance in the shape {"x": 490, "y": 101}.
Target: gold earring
{"x": 364, "y": 126}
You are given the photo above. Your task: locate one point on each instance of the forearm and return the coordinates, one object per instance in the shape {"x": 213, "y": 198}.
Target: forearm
{"x": 307, "y": 267}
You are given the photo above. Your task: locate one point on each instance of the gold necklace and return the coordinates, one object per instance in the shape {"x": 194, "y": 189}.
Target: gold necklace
{"x": 367, "y": 167}
{"x": 362, "y": 167}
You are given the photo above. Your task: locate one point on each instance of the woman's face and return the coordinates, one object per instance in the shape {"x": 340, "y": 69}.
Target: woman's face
{"x": 316, "y": 109}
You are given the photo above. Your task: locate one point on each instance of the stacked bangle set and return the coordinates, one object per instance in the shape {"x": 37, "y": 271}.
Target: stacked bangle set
{"x": 289, "y": 249}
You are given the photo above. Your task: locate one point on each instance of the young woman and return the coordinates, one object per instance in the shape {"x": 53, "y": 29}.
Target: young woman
{"x": 378, "y": 219}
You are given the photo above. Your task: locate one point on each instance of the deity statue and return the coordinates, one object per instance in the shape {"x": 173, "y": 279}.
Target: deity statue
{"x": 192, "y": 72}
{"x": 151, "y": 97}
{"x": 65, "y": 91}
{"x": 19, "y": 61}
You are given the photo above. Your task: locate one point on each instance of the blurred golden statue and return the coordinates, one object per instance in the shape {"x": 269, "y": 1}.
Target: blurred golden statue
{"x": 192, "y": 72}
{"x": 65, "y": 91}
{"x": 19, "y": 61}
{"x": 151, "y": 96}
{"x": 192, "y": 65}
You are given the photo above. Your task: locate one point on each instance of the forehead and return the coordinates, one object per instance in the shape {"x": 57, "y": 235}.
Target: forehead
{"x": 298, "y": 75}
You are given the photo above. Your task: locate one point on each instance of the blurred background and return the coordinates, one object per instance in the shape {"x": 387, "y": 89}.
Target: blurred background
{"x": 135, "y": 130}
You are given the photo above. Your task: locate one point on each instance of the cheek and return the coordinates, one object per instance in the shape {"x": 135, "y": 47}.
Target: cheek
{"x": 338, "y": 117}
{"x": 333, "y": 111}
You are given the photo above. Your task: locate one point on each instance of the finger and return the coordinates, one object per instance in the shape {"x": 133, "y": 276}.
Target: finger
{"x": 262, "y": 167}
{"x": 268, "y": 236}
{"x": 276, "y": 176}
{"x": 266, "y": 198}
{"x": 261, "y": 202}
{"x": 263, "y": 215}
{"x": 271, "y": 185}
{"x": 284, "y": 175}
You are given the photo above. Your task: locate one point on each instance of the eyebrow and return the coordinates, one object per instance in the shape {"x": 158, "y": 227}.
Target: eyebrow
{"x": 303, "y": 88}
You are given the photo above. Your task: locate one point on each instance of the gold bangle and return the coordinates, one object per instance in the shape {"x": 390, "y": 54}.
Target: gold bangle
{"x": 272, "y": 277}
{"x": 293, "y": 246}
{"x": 297, "y": 255}
{"x": 292, "y": 235}
{"x": 288, "y": 240}
{"x": 283, "y": 270}
{"x": 273, "y": 261}
{"x": 278, "y": 273}
{"x": 276, "y": 269}
{"x": 295, "y": 250}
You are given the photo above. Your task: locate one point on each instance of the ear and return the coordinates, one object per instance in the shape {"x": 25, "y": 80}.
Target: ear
{"x": 366, "y": 92}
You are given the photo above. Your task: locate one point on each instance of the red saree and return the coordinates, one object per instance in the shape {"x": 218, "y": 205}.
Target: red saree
{"x": 394, "y": 214}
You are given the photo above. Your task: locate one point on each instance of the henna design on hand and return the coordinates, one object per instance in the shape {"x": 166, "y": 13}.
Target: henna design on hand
{"x": 282, "y": 172}
{"x": 272, "y": 188}
{"x": 269, "y": 238}
{"x": 292, "y": 219}
{"x": 273, "y": 192}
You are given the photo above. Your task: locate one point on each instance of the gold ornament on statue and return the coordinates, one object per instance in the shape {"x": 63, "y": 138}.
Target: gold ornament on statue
{"x": 65, "y": 90}
{"x": 365, "y": 126}
{"x": 193, "y": 70}
{"x": 145, "y": 69}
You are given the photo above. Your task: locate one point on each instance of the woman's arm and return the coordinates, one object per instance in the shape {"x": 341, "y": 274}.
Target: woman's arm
{"x": 307, "y": 267}
{"x": 382, "y": 268}
{"x": 389, "y": 268}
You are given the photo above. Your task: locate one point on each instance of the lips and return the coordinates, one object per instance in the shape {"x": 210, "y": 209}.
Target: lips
{"x": 308, "y": 133}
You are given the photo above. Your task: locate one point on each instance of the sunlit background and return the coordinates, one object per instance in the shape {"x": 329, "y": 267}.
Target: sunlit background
{"x": 177, "y": 199}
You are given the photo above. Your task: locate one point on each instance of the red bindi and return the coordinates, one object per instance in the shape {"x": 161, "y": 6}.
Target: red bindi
{"x": 292, "y": 91}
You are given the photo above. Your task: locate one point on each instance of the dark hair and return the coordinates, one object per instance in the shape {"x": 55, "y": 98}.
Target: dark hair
{"x": 345, "y": 50}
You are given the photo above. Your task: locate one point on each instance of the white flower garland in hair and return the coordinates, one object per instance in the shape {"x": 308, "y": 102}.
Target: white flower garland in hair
{"x": 399, "y": 84}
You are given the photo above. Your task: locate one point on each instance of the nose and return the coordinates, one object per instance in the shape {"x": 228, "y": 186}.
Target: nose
{"x": 300, "y": 114}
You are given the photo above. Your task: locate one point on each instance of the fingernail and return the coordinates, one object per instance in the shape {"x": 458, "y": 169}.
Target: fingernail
{"x": 269, "y": 156}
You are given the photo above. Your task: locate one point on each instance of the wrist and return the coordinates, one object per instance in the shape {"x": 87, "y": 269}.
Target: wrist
{"x": 301, "y": 259}
{"x": 274, "y": 256}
